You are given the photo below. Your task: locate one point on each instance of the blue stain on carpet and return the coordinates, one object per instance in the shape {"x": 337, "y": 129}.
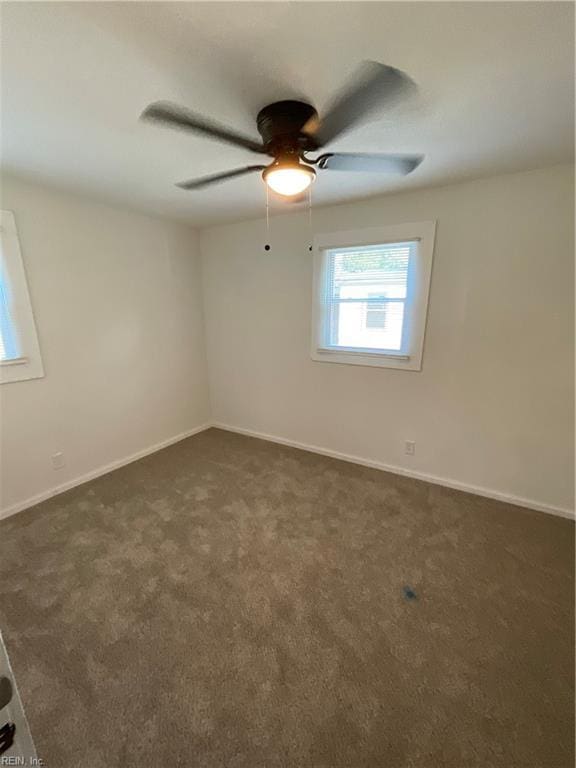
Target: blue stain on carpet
{"x": 409, "y": 593}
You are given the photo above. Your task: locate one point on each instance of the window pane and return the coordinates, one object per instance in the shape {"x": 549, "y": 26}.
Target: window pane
{"x": 366, "y": 291}
{"x": 375, "y": 271}
{"x": 368, "y": 325}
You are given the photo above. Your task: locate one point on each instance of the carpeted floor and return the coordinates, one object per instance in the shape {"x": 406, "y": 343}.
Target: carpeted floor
{"x": 231, "y": 603}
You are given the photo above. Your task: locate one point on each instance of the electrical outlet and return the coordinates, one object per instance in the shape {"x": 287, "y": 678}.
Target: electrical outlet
{"x": 58, "y": 460}
{"x": 409, "y": 447}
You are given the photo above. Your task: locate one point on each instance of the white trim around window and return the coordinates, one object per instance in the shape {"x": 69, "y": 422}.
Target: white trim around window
{"x": 20, "y": 358}
{"x": 402, "y": 297}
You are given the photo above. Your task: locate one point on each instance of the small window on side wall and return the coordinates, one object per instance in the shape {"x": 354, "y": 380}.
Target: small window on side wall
{"x": 371, "y": 295}
{"x": 19, "y": 350}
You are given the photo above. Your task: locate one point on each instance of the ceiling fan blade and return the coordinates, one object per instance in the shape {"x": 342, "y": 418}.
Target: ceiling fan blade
{"x": 216, "y": 178}
{"x": 374, "y": 85}
{"x": 175, "y": 116}
{"x": 345, "y": 161}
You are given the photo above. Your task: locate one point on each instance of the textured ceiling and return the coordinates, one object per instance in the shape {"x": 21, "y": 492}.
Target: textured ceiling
{"x": 496, "y": 92}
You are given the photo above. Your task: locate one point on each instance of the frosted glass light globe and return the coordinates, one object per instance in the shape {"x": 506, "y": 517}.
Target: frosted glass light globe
{"x": 290, "y": 179}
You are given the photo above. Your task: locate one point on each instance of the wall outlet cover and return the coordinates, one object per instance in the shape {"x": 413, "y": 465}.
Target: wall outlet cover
{"x": 409, "y": 448}
{"x": 58, "y": 460}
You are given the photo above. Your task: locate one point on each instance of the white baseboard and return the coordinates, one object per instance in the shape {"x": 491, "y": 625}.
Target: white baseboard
{"x": 102, "y": 470}
{"x": 447, "y": 482}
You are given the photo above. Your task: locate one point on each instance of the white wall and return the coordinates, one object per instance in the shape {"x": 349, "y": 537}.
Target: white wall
{"x": 493, "y": 405}
{"x": 117, "y": 301}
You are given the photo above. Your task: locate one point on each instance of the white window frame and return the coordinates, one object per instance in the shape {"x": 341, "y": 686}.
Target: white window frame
{"x": 29, "y": 364}
{"x": 416, "y": 306}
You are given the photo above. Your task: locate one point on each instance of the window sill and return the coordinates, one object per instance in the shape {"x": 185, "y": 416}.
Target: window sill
{"x": 369, "y": 359}
{"x": 363, "y": 352}
{"x": 20, "y": 369}
{"x": 14, "y": 361}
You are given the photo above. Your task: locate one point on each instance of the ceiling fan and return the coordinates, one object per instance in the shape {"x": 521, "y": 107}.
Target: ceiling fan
{"x": 291, "y": 129}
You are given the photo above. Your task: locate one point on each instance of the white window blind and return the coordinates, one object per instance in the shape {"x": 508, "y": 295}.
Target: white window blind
{"x": 364, "y": 297}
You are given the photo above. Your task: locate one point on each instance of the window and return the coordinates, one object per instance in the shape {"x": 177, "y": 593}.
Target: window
{"x": 371, "y": 295}
{"x": 19, "y": 351}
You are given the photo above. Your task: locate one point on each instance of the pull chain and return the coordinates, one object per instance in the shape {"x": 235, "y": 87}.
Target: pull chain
{"x": 310, "y": 215}
{"x": 267, "y": 246}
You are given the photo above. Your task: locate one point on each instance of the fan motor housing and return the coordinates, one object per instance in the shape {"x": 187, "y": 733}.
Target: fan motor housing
{"x": 280, "y": 125}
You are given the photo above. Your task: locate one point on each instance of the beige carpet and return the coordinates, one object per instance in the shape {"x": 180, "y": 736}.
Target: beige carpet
{"x": 230, "y": 603}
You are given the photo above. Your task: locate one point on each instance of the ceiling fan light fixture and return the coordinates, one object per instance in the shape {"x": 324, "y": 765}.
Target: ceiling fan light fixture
{"x": 289, "y": 129}
{"x": 289, "y": 178}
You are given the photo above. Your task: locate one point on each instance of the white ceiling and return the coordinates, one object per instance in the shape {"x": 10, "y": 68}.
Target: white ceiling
{"x": 496, "y": 92}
